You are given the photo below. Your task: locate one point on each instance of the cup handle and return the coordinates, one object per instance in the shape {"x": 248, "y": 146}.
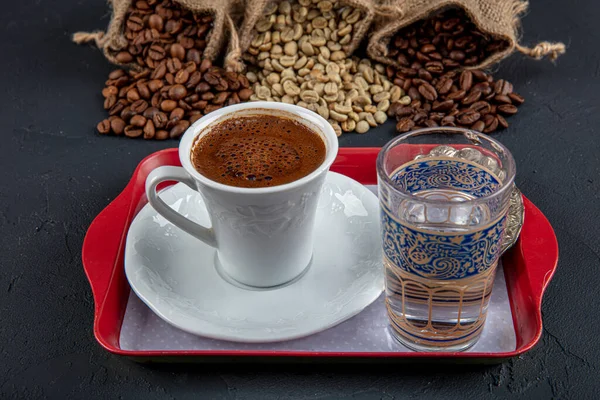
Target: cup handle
{"x": 169, "y": 173}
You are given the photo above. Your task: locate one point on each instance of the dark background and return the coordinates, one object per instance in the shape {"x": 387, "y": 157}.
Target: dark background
{"x": 57, "y": 173}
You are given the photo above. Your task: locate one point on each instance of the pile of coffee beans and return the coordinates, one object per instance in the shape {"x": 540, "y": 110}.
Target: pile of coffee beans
{"x": 171, "y": 85}
{"x": 156, "y": 30}
{"x": 164, "y": 102}
{"x": 470, "y": 99}
{"x": 297, "y": 49}
{"x": 443, "y": 42}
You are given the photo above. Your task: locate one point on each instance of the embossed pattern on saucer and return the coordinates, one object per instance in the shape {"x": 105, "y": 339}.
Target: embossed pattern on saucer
{"x": 175, "y": 275}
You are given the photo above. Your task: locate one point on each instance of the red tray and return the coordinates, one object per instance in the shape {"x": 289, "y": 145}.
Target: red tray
{"x": 528, "y": 267}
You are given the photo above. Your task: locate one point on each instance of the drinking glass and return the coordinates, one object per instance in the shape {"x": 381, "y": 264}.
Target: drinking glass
{"x": 444, "y": 195}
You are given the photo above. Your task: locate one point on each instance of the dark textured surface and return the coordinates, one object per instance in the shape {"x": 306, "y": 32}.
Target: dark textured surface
{"x": 56, "y": 174}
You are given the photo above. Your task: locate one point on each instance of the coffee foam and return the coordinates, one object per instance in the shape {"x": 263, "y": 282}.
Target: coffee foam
{"x": 257, "y": 151}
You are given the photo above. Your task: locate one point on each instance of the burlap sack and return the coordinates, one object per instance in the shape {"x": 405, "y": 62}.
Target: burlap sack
{"x": 254, "y": 10}
{"x": 499, "y": 18}
{"x": 112, "y": 41}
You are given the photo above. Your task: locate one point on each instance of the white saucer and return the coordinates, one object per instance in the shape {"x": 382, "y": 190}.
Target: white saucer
{"x": 175, "y": 274}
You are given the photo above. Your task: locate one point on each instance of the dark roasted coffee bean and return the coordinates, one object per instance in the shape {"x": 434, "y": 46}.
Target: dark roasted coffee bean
{"x": 478, "y": 126}
{"x": 245, "y": 94}
{"x": 405, "y": 125}
{"x": 160, "y": 71}
{"x": 182, "y": 76}
{"x": 414, "y": 94}
{"x": 444, "y": 105}
{"x": 200, "y": 105}
{"x": 193, "y": 55}
{"x": 155, "y": 101}
{"x": 457, "y": 96}
{"x": 482, "y": 107}
{"x": 502, "y": 99}
{"x": 126, "y": 113}
{"x": 117, "y": 108}
{"x": 466, "y": 80}
{"x": 207, "y": 96}
{"x": 133, "y": 95}
{"x": 133, "y": 131}
{"x": 156, "y": 22}
{"x": 117, "y": 73}
{"x": 516, "y": 98}
{"x": 144, "y": 91}
{"x": 428, "y": 91}
{"x": 168, "y": 105}
{"x": 150, "y": 111}
{"x": 184, "y": 105}
{"x": 202, "y": 87}
{"x": 492, "y": 126}
{"x": 501, "y": 122}
{"x": 103, "y": 127}
{"x": 160, "y": 119}
{"x": 479, "y": 75}
{"x": 139, "y": 106}
{"x": 448, "y": 121}
{"x": 192, "y": 98}
{"x": 507, "y": 109}
{"x": 177, "y": 51}
{"x": 468, "y": 117}
{"x": 138, "y": 120}
{"x": 110, "y": 101}
{"x": 443, "y": 86}
{"x": 177, "y": 114}
{"x": 161, "y": 135}
{"x": 193, "y": 80}
{"x": 110, "y": 91}
{"x": 205, "y": 65}
{"x": 149, "y": 130}
{"x": 212, "y": 107}
{"x": 179, "y": 129}
{"x": 471, "y": 98}
{"x": 117, "y": 125}
{"x": 156, "y": 52}
{"x": 173, "y": 65}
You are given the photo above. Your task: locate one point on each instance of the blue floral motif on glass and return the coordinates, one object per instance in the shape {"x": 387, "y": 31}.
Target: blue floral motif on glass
{"x": 442, "y": 256}
{"x": 425, "y": 174}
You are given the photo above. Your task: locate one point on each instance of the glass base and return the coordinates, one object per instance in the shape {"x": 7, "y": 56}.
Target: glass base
{"x": 417, "y": 346}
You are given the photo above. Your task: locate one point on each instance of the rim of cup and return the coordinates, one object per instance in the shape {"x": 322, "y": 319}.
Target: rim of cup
{"x": 309, "y": 118}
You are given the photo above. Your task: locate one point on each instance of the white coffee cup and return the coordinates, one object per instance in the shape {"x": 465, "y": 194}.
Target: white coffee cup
{"x": 263, "y": 236}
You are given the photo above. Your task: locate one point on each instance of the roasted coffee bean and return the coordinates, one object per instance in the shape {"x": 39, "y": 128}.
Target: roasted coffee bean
{"x": 516, "y": 98}
{"x": 139, "y": 106}
{"x": 181, "y": 76}
{"x": 150, "y": 111}
{"x": 501, "y": 121}
{"x": 110, "y": 101}
{"x": 133, "y": 131}
{"x": 117, "y": 108}
{"x": 110, "y": 91}
{"x": 177, "y": 51}
{"x": 160, "y": 119}
{"x": 471, "y": 98}
{"x": 168, "y": 105}
{"x": 507, "y": 109}
{"x": 143, "y": 90}
{"x": 245, "y": 94}
{"x": 133, "y": 95}
{"x": 149, "y": 130}
{"x": 176, "y": 114}
{"x": 103, "y": 127}
{"x": 179, "y": 129}
{"x": 502, "y": 99}
{"x": 117, "y": 125}
{"x": 466, "y": 80}
{"x": 138, "y": 120}
{"x": 156, "y": 52}
{"x": 160, "y": 71}
{"x": 478, "y": 126}
{"x": 482, "y": 107}
{"x": 405, "y": 125}
{"x": 177, "y": 92}
{"x": 117, "y": 73}
{"x": 492, "y": 126}
{"x": 161, "y": 135}
{"x": 444, "y": 105}
{"x": 456, "y": 96}
{"x": 468, "y": 117}
{"x": 126, "y": 113}
{"x": 428, "y": 91}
